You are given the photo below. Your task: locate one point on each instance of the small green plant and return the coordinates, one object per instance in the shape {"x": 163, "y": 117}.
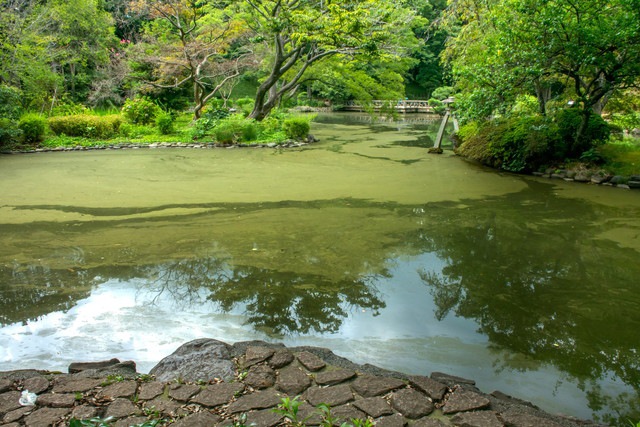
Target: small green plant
{"x": 164, "y": 123}
{"x": 145, "y": 378}
{"x": 242, "y": 421}
{"x": 140, "y": 110}
{"x": 288, "y": 408}
{"x": 33, "y": 127}
{"x": 91, "y": 422}
{"x": 78, "y": 395}
{"x": 112, "y": 379}
{"x": 152, "y": 412}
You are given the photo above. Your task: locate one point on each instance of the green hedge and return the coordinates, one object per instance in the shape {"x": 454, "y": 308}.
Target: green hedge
{"x": 88, "y": 126}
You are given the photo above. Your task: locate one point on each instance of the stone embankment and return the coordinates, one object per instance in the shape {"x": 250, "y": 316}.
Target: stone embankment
{"x": 135, "y": 146}
{"x": 598, "y": 177}
{"x": 208, "y": 383}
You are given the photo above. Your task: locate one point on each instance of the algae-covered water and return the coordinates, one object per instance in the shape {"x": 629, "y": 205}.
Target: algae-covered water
{"x": 362, "y": 243}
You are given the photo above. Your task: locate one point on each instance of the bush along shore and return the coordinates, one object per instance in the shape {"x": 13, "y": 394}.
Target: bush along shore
{"x": 207, "y": 383}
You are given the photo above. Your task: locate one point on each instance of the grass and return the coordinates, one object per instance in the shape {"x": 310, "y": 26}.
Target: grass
{"x": 622, "y": 157}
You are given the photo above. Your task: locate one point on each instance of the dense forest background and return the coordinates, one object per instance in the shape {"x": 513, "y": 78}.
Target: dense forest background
{"x": 521, "y": 71}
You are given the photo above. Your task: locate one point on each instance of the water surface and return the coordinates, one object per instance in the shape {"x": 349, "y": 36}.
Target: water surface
{"x": 363, "y": 243}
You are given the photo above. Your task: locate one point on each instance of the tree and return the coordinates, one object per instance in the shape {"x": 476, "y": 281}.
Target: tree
{"x": 192, "y": 43}
{"x": 24, "y": 55}
{"x": 297, "y": 34}
{"x": 507, "y": 47}
{"x": 80, "y": 36}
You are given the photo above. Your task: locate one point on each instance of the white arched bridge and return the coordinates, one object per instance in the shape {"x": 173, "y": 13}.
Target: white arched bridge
{"x": 401, "y": 106}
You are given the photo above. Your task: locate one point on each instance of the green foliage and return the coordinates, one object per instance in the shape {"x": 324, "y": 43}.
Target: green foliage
{"x": 245, "y": 105}
{"x": 437, "y": 105}
{"x": 621, "y": 158}
{"x": 236, "y": 129}
{"x": 524, "y": 105}
{"x": 9, "y": 132}
{"x": 140, "y": 110}
{"x": 288, "y": 408}
{"x": 208, "y": 121}
{"x": 68, "y": 109}
{"x": 10, "y": 106}
{"x": 515, "y": 144}
{"x": 164, "y": 122}
{"x": 297, "y": 127}
{"x": 84, "y": 125}
{"x": 108, "y": 422}
{"x": 626, "y": 121}
{"x": 442, "y": 92}
{"x": 596, "y": 133}
{"x": 133, "y": 131}
{"x": 33, "y": 127}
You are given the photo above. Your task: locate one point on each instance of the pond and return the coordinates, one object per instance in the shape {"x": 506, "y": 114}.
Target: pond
{"x": 362, "y": 243}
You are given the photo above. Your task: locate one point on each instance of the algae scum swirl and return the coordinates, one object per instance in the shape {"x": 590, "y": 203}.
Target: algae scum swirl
{"x": 362, "y": 243}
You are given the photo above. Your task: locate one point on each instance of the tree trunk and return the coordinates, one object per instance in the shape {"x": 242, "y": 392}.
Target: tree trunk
{"x": 581, "y": 131}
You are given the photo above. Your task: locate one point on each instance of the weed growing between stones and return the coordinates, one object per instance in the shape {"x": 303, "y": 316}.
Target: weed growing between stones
{"x": 288, "y": 408}
{"x": 99, "y": 422}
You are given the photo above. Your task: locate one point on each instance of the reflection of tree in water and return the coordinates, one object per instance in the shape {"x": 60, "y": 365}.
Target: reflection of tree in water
{"x": 29, "y": 291}
{"x": 278, "y": 302}
{"x": 540, "y": 287}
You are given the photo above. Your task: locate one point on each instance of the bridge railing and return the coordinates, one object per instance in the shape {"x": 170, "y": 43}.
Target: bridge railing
{"x": 403, "y": 105}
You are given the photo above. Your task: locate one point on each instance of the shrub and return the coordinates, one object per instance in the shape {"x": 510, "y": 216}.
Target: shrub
{"x": 296, "y": 127}
{"x": 85, "y": 125}
{"x": 9, "y": 132}
{"x": 236, "y": 129}
{"x": 10, "y": 106}
{"x": 225, "y": 133}
{"x": 164, "y": 122}
{"x": 208, "y": 121}
{"x": 569, "y": 120}
{"x": 33, "y": 127}
{"x": 245, "y": 105}
{"x": 517, "y": 144}
{"x": 140, "y": 110}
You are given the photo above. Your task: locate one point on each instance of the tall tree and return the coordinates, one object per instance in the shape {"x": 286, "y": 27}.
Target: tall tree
{"x": 24, "y": 55}
{"x": 192, "y": 43}
{"x": 81, "y": 34}
{"x": 507, "y": 47}
{"x": 297, "y": 34}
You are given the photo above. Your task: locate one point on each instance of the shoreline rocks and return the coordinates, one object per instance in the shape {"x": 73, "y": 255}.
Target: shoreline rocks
{"x": 135, "y": 146}
{"x": 207, "y": 382}
{"x": 597, "y": 177}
